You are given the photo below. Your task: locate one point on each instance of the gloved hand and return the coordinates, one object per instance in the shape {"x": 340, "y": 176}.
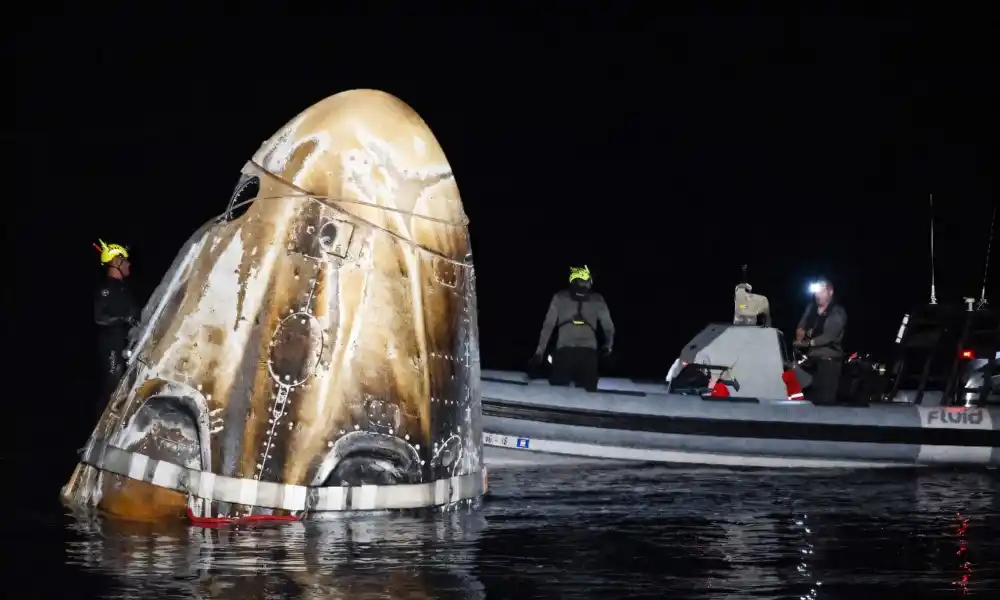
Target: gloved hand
{"x": 605, "y": 351}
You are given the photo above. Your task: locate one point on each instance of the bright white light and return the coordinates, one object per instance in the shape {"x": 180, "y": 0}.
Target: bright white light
{"x": 815, "y": 287}
{"x": 549, "y": 357}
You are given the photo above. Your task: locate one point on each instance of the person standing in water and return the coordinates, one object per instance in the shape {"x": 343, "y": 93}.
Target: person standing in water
{"x": 115, "y": 313}
{"x": 820, "y": 336}
{"x": 575, "y": 314}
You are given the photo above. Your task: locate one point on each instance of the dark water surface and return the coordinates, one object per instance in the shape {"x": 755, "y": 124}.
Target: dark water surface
{"x": 568, "y": 532}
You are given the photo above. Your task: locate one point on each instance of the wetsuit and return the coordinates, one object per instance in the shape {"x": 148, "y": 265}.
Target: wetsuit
{"x": 826, "y": 335}
{"x": 115, "y": 313}
{"x": 575, "y": 317}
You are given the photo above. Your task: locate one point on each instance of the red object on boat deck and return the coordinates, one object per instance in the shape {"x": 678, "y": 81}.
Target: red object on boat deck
{"x": 792, "y": 385}
{"x": 719, "y": 390}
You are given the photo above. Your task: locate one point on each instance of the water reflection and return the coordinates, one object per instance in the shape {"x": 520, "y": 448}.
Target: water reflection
{"x": 368, "y": 557}
{"x": 721, "y": 533}
{"x": 807, "y": 550}
{"x": 961, "y": 502}
{"x": 646, "y": 532}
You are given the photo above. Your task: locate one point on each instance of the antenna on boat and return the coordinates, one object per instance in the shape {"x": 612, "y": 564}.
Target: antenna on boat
{"x": 986, "y": 270}
{"x": 744, "y": 267}
{"x": 933, "y": 289}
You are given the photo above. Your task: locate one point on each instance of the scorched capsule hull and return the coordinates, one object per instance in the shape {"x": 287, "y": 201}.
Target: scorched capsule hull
{"x": 315, "y": 349}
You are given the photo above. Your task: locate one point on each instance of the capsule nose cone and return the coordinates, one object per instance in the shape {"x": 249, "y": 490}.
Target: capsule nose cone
{"x": 375, "y": 156}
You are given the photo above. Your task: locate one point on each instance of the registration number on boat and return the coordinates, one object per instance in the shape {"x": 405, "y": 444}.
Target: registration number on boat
{"x": 507, "y": 441}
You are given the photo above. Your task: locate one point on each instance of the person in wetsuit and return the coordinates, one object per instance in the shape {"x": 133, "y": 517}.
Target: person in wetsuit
{"x": 820, "y": 336}
{"x": 115, "y": 314}
{"x": 575, "y": 314}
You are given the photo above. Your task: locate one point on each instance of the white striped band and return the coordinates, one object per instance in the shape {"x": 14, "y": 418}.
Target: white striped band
{"x": 297, "y": 498}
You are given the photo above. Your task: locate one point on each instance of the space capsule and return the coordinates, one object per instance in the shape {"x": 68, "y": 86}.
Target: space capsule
{"x": 314, "y": 349}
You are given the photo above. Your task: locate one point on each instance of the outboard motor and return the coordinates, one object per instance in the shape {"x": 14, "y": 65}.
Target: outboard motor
{"x": 980, "y": 383}
{"x": 862, "y": 380}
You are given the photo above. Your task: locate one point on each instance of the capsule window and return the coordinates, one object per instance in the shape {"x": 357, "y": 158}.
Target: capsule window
{"x": 246, "y": 190}
{"x": 335, "y": 237}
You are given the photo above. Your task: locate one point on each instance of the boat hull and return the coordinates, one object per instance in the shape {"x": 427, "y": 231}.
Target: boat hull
{"x": 636, "y": 425}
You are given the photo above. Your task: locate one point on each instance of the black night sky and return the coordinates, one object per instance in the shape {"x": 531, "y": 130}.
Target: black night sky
{"x": 664, "y": 151}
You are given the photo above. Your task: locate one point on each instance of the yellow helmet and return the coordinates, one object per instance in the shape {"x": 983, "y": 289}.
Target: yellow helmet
{"x": 110, "y": 251}
{"x": 579, "y": 273}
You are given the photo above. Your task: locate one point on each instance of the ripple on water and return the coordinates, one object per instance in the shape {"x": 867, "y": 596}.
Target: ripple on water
{"x": 590, "y": 532}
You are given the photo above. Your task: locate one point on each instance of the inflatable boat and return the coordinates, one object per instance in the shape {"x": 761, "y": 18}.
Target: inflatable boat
{"x": 757, "y": 420}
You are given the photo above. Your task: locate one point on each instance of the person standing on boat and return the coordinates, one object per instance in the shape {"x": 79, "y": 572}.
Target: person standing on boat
{"x": 575, "y": 314}
{"x": 116, "y": 316}
{"x": 820, "y": 335}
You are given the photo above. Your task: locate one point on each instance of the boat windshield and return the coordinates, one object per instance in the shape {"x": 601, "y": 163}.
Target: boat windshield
{"x": 786, "y": 359}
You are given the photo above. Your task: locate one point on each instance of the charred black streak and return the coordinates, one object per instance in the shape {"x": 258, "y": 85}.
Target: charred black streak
{"x": 291, "y": 352}
{"x": 304, "y": 237}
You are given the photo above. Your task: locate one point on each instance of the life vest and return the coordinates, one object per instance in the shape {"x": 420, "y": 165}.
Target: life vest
{"x": 816, "y": 322}
{"x": 578, "y": 319}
